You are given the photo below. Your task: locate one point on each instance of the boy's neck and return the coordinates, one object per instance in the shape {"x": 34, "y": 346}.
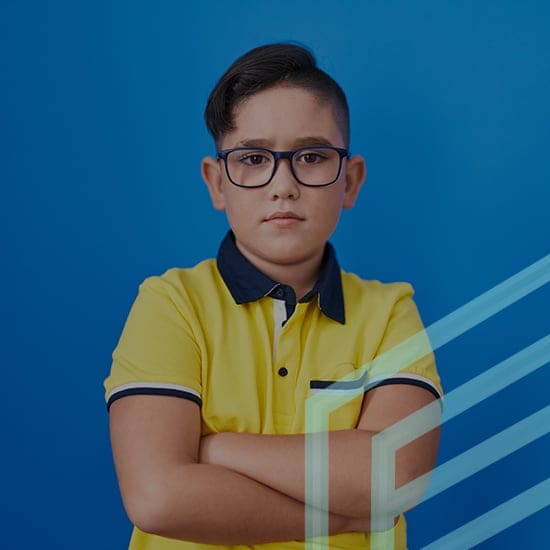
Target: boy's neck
{"x": 301, "y": 276}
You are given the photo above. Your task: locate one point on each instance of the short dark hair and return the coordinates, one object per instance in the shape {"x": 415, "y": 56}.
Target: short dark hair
{"x": 267, "y": 66}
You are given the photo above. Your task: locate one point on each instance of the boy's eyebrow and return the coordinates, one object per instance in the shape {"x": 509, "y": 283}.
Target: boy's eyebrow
{"x": 298, "y": 142}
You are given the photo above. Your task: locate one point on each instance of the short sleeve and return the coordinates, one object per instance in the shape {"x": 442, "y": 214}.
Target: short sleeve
{"x": 157, "y": 353}
{"x": 405, "y": 355}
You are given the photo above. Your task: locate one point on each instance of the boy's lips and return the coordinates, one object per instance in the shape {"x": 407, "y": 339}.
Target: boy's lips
{"x": 283, "y": 215}
{"x": 284, "y": 218}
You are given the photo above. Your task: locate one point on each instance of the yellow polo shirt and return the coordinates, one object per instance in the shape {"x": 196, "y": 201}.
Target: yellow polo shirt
{"x": 251, "y": 364}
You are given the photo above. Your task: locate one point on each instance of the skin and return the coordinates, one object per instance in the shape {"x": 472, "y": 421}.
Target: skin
{"x": 281, "y": 119}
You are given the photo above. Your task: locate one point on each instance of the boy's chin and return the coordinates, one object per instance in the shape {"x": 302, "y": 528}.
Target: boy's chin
{"x": 289, "y": 254}
{"x": 283, "y": 250}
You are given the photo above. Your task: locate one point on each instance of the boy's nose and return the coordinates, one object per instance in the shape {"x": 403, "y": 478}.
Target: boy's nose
{"x": 284, "y": 184}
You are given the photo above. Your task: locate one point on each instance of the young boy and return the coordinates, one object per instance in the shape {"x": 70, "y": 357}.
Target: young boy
{"x": 210, "y": 378}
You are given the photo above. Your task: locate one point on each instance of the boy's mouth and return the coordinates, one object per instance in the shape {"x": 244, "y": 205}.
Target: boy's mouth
{"x": 284, "y": 218}
{"x": 284, "y": 215}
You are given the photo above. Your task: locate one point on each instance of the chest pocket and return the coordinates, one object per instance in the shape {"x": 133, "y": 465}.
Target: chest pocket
{"x": 339, "y": 395}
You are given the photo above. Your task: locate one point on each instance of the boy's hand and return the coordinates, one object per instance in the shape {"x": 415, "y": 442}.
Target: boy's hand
{"x": 359, "y": 525}
{"x": 209, "y": 447}
{"x": 204, "y": 448}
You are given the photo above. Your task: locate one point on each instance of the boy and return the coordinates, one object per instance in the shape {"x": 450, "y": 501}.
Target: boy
{"x": 211, "y": 375}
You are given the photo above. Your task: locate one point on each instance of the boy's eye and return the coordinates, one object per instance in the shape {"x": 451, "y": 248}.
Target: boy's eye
{"x": 254, "y": 159}
{"x": 310, "y": 157}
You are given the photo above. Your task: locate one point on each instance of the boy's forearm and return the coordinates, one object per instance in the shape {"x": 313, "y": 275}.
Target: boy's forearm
{"x": 214, "y": 505}
{"x": 278, "y": 462}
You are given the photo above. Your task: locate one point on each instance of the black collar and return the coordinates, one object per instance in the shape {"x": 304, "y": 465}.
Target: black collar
{"x": 248, "y": 284}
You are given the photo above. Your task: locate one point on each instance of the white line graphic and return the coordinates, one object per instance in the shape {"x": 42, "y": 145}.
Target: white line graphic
{"x": 384, "y": 496}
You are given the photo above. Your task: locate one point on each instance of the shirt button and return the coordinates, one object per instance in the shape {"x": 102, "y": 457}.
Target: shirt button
{"x": 279, "y": 293}
{"x": 283, "y": 371}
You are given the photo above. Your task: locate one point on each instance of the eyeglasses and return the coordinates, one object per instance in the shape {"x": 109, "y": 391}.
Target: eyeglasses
{"x": 315, "y": 166}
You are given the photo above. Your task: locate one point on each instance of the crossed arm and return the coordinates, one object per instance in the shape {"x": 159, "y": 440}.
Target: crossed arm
{"x": 238, "y": 488}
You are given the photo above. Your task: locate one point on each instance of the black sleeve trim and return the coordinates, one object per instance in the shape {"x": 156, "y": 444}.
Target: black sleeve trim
{"x": 399, "y": 380}
{"x": 154, "y": 391}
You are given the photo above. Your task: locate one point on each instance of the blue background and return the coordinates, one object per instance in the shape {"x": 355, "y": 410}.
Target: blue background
{"x": 102, "y": 135}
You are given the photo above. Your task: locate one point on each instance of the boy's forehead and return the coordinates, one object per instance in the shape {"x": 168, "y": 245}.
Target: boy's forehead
{"x": 280, "y": 114}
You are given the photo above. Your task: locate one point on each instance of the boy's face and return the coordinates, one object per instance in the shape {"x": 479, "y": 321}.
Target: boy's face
{"x": 282, "y": 119}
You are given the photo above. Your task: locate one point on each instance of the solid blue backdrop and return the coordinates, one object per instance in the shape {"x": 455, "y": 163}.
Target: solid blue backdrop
{"x": 102, "y": 135}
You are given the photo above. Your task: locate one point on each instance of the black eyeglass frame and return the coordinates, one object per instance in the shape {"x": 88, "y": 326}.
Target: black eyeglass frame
{"x": 289, "y": 155}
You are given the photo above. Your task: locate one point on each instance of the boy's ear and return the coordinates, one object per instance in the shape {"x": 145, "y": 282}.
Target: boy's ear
{"x": 211, "y": 174}
{"x": 356, "y": 172}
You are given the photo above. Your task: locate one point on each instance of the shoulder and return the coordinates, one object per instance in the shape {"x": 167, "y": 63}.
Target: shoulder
{"x": 372, "y": 303}
{"x": 193, "y": 292}
{"x": 184, "y": 280}
{"x": 184, "y": 289}
{"x": 373, "y": 291}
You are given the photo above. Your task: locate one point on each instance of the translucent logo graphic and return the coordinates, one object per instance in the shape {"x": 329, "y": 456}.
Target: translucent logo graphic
{"x": 386, "y": 501}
